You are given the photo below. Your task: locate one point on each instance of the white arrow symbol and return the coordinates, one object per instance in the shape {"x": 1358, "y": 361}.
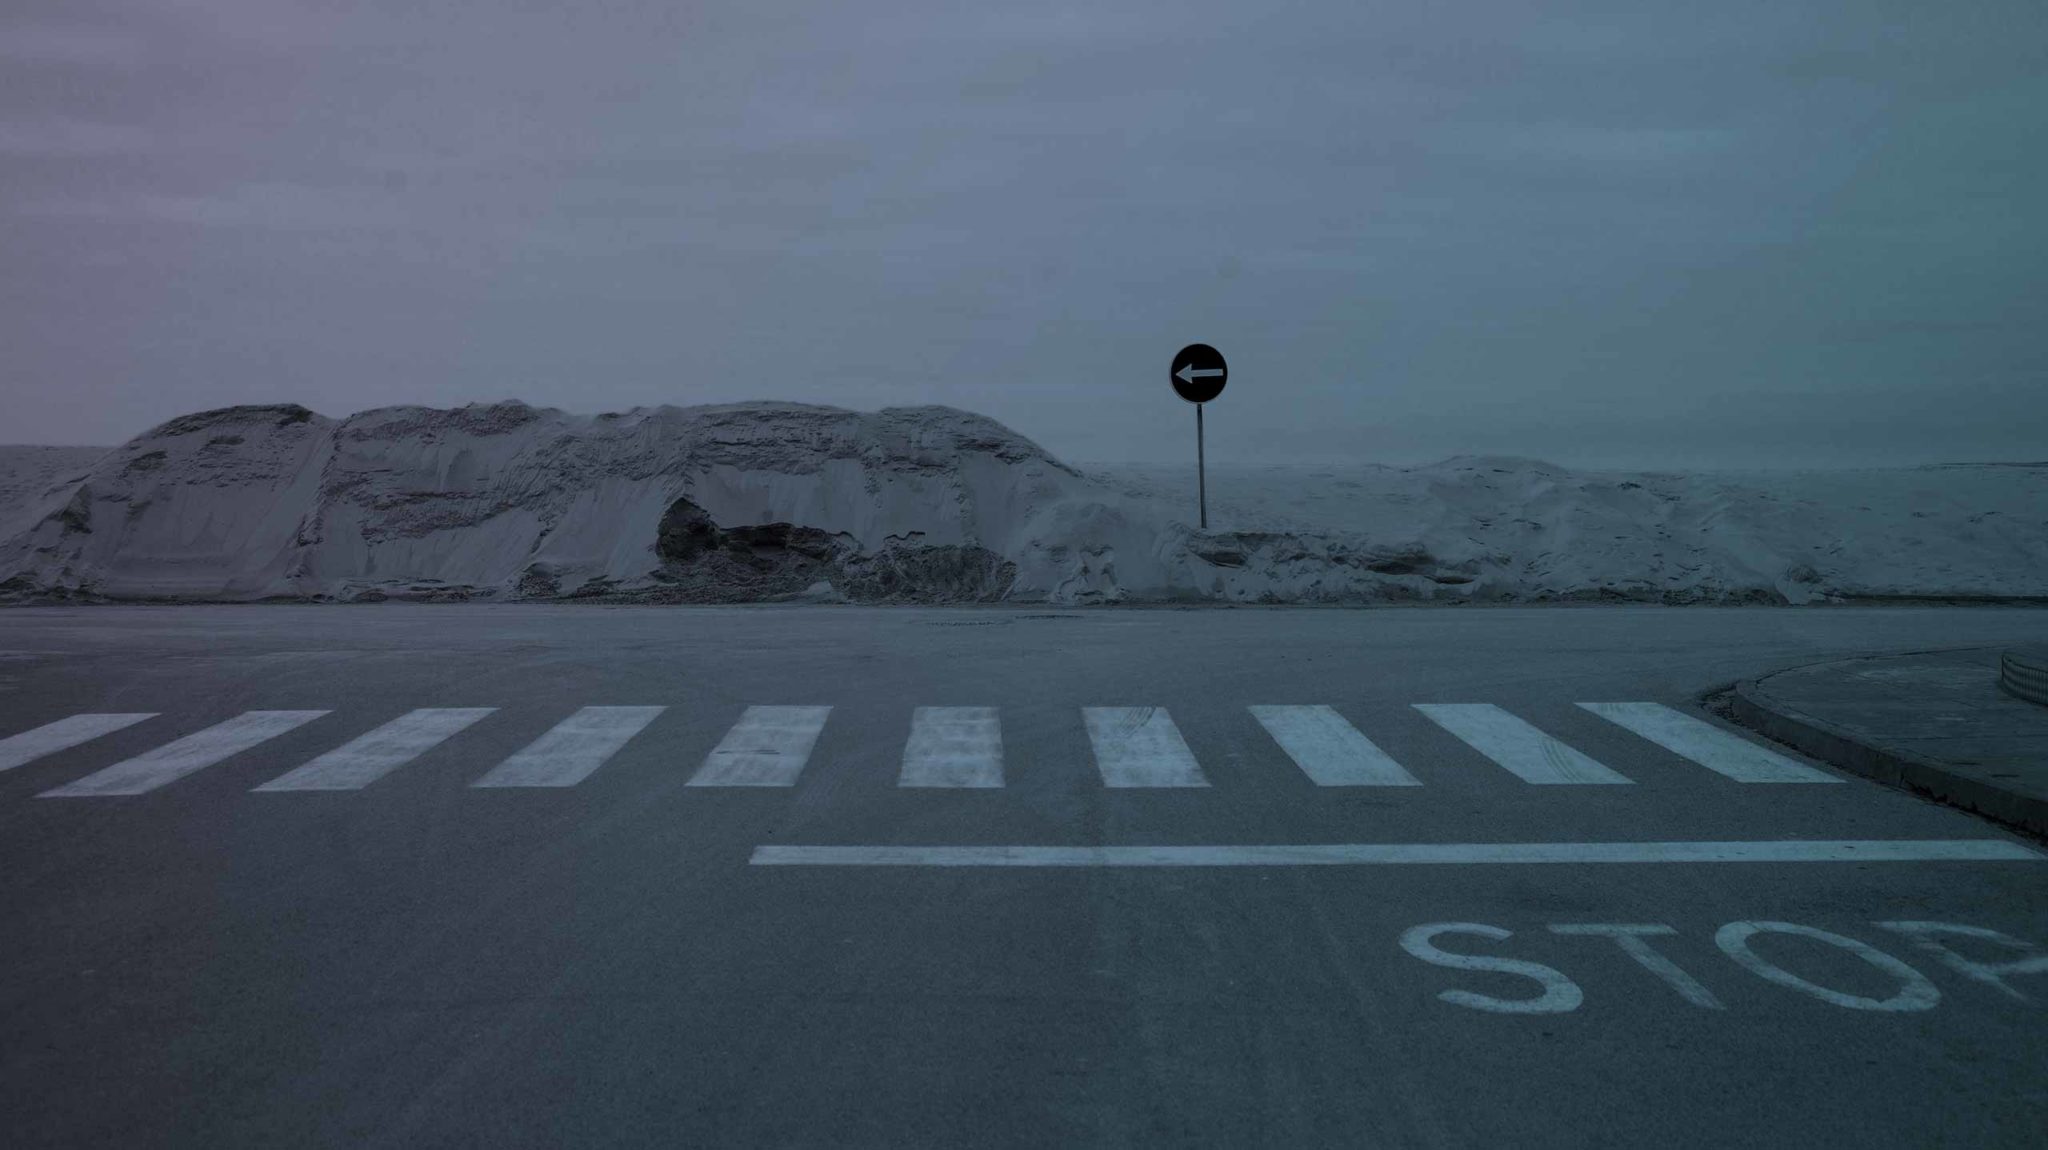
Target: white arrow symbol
{"x": 1189, "y": 373}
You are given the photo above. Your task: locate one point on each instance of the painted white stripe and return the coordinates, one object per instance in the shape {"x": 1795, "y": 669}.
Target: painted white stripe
{"x": 1405, "y": 854}
{"x": 173, "y": 761}
{"x": 953, "y": 747}
{"x": 768, "y": 747}
{"x": 61, "y": 735}
{"x": 1329, "y": 750}
{"x": 572, "y": 749}
{"x": 1140, "y": 747}
{"x": 1706, "y": 744}
{"x": 372, "y": 756}
{"x": 1526, "y": 752}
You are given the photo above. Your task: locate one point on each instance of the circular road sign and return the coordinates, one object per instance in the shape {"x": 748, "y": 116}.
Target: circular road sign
{"x": 1198, "y": 373}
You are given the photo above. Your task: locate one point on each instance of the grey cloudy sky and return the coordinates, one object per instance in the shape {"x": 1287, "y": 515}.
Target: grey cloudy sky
{"x": 1645, "y": 232}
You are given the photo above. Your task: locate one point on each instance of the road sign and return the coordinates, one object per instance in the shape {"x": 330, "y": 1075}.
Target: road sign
{"x": 1198, "y": 373}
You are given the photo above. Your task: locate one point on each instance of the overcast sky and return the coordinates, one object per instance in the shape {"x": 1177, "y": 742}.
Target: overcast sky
{"x": 1638, "y": 233}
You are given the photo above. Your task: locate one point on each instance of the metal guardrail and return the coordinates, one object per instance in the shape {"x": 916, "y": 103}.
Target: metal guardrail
{"x": 2024, "y": 674}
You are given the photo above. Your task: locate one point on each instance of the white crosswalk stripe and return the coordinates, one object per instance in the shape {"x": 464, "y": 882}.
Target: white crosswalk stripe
{"x": 1330, "y": 751}
{"x": 1140, "y": 747}
{"x": 1524, "y": 751}
{"x": 948, "y": 747}
{"x": 63, "y": 734}
{"x": 575, "y": 747}
{"x": 1709, "y": 746}
{"x": 953, "y": 747}
{"x": 768, "y": 747}
{"x": 173, "y": 761}
{"x": 372, "y": 756}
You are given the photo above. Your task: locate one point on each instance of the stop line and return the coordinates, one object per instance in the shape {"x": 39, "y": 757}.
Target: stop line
{"x": 946, "y": 747}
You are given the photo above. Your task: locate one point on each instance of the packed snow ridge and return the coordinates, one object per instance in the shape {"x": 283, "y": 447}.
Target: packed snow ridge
{"x": 767, "y": 501}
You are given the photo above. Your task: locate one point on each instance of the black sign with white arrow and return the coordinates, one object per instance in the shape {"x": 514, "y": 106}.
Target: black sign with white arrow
{"x": 1198, "y": 373}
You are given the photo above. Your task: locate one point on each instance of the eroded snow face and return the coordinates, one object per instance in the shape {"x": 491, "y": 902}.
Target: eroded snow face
{"x": 702, "y": 561}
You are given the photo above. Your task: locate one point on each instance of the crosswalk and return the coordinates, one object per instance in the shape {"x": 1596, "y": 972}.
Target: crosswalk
{"x": 1329, "y": 750}
{"x": 768, "y": 747}
{"x": 953, "y": 747}
{"x": 946, "y": 747}
{"x": 365, "y": 760}
{"x": 1140, "y": 747}
{"x": 575, "y": 748}
{"x": 1525, "y": 752}
{"x": 63, "y": 735}
{"x": 174, "y": 760}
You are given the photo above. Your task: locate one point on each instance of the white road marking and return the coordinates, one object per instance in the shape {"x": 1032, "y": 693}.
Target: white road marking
{"x": 766, "y": 748}
{"x": 953, "y": 747}
{"x": 1329, "y": 750}
{"x": 1560, "y": 994}
{"x": 1706, "y": 744}
{"x": 371, "y": 756}
{"x": 1140, "y": 747}
{"x": 1633, "y": 938}
{"x": 1915, "y": 992}
{"x": 174, "y": 760}
{"x": 1402, "y": 854}
{"x": 1925, "y": 936}
{"x": 61, "y": 735}
{"x": 1526, "y": 752}
{"x": 575, "y": 747}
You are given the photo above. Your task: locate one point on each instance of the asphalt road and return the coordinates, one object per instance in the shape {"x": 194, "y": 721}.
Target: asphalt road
{"x": 635, "y": 960}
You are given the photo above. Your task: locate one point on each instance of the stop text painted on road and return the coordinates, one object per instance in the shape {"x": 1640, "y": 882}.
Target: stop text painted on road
{"x": 1983, "y": 956}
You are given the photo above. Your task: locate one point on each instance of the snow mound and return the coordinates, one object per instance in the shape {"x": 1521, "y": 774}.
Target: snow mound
{"x": 765, "y": 501}
{"x": 509, "y": 500}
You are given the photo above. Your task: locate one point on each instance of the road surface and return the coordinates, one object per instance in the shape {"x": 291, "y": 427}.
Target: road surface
{"x": 525, "y": 875}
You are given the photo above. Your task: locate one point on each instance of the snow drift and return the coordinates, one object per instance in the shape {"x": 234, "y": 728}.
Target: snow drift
{"x": 772, "y": 500}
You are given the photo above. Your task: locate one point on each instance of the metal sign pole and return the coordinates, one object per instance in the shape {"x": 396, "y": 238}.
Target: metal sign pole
{"x": 1201, "y": 469}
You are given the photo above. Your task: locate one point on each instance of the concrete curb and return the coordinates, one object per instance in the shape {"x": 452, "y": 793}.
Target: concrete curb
{"x": 2023, "y": 672}
{"x": 1753, "y": 707}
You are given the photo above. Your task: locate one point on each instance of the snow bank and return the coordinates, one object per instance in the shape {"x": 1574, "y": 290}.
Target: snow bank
{"x": 773, "y": 500}
{"x": 1522, "y": 530}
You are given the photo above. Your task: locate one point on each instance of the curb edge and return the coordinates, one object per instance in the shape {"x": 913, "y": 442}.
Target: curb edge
{"x": 1905, "y": 770}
